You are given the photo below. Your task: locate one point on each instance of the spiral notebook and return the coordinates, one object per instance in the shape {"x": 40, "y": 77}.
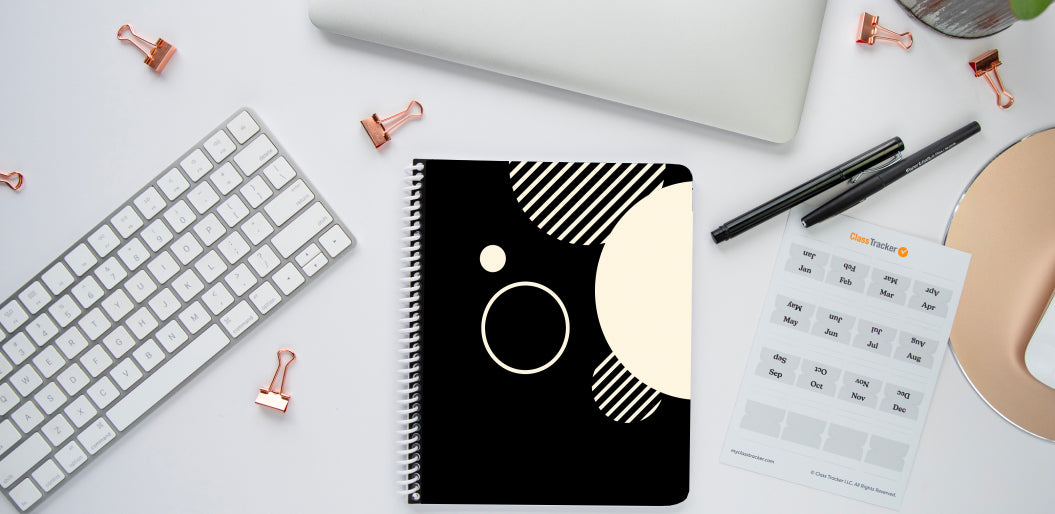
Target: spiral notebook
{"x": 547, "y": 339}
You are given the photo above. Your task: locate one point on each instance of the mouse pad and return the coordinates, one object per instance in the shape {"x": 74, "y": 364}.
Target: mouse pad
{"x": 1006, "y": 220}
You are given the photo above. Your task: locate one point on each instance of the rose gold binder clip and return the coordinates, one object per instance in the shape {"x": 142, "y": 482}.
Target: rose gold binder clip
{"x": 868, "y": 31}
{"x": 158, "y": 53}
{"x": 13, "y": 179}
{"x": 270, "y": 398}
{"x": 378, "y": 130}
{"x": 985, "y": 63}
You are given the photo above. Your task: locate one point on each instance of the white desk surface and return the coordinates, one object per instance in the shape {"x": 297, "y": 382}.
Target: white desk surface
{"x": 89, "y": 124}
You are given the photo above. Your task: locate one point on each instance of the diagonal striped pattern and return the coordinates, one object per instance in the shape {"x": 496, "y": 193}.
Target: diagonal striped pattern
{"x": 579, "y": 203}
{"x": 621, "y": 396}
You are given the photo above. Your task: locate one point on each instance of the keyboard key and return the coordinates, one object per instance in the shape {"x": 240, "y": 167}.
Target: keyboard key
{"x": 240, "y": 279}
{"x": 5, "y": 367}
{"x": 126, "y": 374}
{"x": 194, "y": 317}
{"x": 315, "y": 265}
{"x": 27, "y": 417}
{"x": 80, "y": 411}
{"x": 70, "y": 457}
{"x": 8, "y": 398}
{"x": 233, "y": 247}
{"x": 73, "y": 379}
{"x": 163, "y": 267}
{"x": 96, "y": 360}
{"x": 50, "y": 398}
{"x": 289, "y": 202}
{"x": 71, "y": 342}
{"x": 25, "y": 494}
{"x": 226, "y": 178}
{"x": 142, "y": 323}
{"x": 173, "y": 184}
{"x": 218, "y": 298}
{"x": 219, "y": 146}
{"x": 57, "y": 278}
{"x": 148, "y": 355}
{"x": 57, "y": 430}
{"x": 126, "y": 221}
{"x": 288, "y": 278}
{"x": 210, "y": 266}
{"x": 279, "y": 172}
{"x": 180, "y": 216}
{"x": 34, "y": 297}
{"x": 301, "y": 229}
{"x": 256, "y": 228}
{"x": 232, "y": 211}
{"x": 255, "y": 155}
{"x": 133, "y": 254}
{"x": 64, "y": 310}
{"x": 188, "y": 285}
{"x": 334, "y": 241}
{"x": 203, "y": 197}
{"x": 167, "y": 377}
{"x": 186, "y": 248}
{"x": 209, "y": 229}
{"x": 156, "y": 235}
{"x": 149, "y": 203}
{"x": 87, "y": 291}
{"x": 110, "y": 273}
{"x": 49, "y": 362}
{"x": 96, "y": 435}
{"x": 102, "y": 393}
{"x": 80, "y": 259}
{"x": 256, "y": 191}
{"x": 26, "y": 379}
{"x": 119, "y": 341}
{"x": 94, "y": 323}
{"x": 117, "y": 305}
{"x": 48, "y": 475}
{"x": 265, "y": 298}
{"x": 264, "y": 260}
{"x": 196, "y": 165}
{"x": 103, "y": 241}
{"x": 12, "y": 316}
{"x": 164, "y": 304}
{"x": 8, "y": 435}
{"x": 19, "y": 348}
{"x": 171, "y": 336}
{"x": 239, "y": 318}
{"x": 243, "y": 127}
{"x": 140, "y": 286}
{"x": 22, "y": 458}
{"x": 42, "y": 329}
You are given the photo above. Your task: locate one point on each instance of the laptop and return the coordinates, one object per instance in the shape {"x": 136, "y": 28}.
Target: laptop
{"x": 742, "y": 66}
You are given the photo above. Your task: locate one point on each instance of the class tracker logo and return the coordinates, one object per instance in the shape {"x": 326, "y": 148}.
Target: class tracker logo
{"x": 901, "y": 251}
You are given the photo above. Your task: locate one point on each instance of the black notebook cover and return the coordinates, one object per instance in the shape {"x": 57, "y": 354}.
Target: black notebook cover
{"x": 548, "y": 332}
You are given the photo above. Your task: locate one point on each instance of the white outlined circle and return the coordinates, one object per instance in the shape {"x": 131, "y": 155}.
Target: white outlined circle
{"x": 567, "y": 328}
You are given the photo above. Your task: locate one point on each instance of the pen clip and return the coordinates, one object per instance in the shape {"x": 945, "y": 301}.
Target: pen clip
{"x": 893, "y": 159}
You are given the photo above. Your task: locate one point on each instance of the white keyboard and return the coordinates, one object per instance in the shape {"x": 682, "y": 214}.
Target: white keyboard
{"x": 172, "y": 277}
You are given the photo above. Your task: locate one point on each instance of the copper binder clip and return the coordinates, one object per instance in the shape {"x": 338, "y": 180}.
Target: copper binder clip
{"x": 985, "y": 63}
{"x": 13, "y": 179}
{"x": 379, "y": 133}
{"x": 158, "y": 53}
{"x": 868, "y": 31}
{"x": 270, "y": 398}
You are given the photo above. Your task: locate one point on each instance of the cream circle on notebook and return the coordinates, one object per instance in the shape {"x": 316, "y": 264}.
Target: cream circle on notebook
{"x": 493, "y": 258}
{"x": 487, "y": 344}
{"x": 644, "y": 289}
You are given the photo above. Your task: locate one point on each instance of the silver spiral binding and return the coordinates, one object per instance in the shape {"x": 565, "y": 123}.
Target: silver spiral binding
{"x": 410, "y": 447}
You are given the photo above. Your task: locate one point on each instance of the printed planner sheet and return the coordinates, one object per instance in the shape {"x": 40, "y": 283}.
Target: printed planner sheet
{"x": 845, "y": 358}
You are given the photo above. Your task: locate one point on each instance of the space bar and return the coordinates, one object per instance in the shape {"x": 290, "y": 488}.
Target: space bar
{"x": 166, "y": 378}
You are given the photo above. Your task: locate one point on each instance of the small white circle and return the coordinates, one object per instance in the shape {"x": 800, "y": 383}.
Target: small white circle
{"x": 567, "y": 328}
{"x": 493, "y": 258}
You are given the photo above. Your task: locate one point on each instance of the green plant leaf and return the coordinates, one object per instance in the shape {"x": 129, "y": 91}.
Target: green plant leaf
{"x": 1028, "y": 9}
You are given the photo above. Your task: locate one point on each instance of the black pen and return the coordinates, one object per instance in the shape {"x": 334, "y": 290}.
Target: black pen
{"x": 807, "y": 190}
{"x": 881, "y": 179}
